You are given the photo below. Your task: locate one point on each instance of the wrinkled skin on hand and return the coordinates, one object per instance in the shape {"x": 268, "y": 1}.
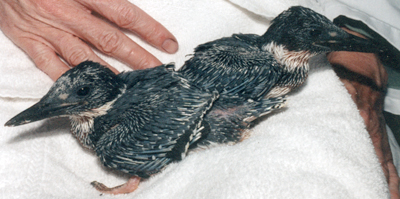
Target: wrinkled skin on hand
{"x": 48, "y": 30}
{"x": 365, "y": 78}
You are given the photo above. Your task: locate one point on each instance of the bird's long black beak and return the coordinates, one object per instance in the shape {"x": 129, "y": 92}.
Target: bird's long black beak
{"x": 344, "y": 41}
{"x": 40, "y": 111}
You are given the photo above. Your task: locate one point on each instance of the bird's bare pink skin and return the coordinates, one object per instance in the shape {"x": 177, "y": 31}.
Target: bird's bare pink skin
{"x": 128, "y": 187}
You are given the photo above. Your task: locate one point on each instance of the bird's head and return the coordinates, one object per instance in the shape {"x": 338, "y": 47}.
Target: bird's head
{"x": 302, "y": 29}
{"x": 81, "y": 90}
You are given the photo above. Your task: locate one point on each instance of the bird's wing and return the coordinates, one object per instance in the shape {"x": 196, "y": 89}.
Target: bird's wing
{"x": 141, "y": 78}
{"x": 152, "y": 124}
{"x": 233, "y": 65}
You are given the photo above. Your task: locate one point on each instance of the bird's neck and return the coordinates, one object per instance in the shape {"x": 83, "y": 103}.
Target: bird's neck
{"x": 295, "y": 67}
{"x": 290, "y": 60}
{"x": 83, "y": 123}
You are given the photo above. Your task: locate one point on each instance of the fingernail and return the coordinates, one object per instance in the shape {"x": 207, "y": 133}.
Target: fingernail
{"x": 170, "y": 46}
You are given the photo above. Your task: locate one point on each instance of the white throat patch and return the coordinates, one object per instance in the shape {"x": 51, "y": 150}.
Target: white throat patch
{"x": 82, "y": 124}
{"x": 289, "y": 59}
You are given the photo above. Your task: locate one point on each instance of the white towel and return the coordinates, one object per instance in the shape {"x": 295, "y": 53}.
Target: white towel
{"x": 316, "y": 147}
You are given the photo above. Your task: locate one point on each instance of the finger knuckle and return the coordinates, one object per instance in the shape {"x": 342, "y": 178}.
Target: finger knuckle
{"x": 144, "y": 62}
{"x": 157, "y": 35}
{"x": 109, "y": 42}
{"x": 127, "y": 17}
{"x": 76, "y": 55}
{"x": 42, "y": 60}
{"x": 51, "y": 7}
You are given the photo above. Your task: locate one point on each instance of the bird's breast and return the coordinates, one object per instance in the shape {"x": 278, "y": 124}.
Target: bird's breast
{"x": 82, "y": 126}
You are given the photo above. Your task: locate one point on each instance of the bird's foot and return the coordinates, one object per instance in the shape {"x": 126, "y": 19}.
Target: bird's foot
{"x": 128, "y": 187}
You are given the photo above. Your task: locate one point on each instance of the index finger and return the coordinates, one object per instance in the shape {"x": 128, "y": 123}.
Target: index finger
{"x": 127, "y": 15}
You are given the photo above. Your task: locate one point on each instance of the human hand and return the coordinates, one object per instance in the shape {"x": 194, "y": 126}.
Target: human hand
{"x": 48, "y": 30}
{"x": 365, "y": 78}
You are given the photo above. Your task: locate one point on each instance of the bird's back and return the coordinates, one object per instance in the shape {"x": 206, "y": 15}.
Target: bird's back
{"x": 243, "y": 74}
{"x": 234, "y": 66}
{"x": 152, "y": 123}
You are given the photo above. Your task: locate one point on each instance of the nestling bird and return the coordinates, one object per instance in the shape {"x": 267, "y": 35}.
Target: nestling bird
{"x": 140, "y": 121}
{"x": 247, "y": 68}
{"x": 136, "y": 122}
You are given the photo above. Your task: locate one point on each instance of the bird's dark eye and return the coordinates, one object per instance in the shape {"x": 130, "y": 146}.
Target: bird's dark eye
{"x": 315, "y": 32}
{"x": 83, "y": 91}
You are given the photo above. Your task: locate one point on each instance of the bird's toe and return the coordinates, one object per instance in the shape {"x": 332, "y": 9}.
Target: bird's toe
{"x": 128, "y": 187}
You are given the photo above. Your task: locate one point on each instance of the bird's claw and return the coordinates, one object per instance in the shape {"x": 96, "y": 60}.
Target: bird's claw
{"x": 101, "y": 187}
